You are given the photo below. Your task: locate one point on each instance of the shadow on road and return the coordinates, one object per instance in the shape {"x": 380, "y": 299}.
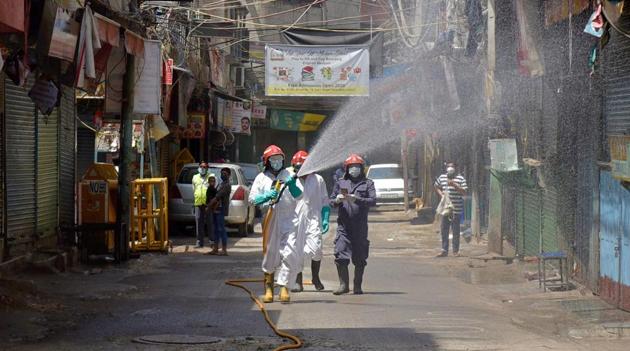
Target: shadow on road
{"x": 355, "y": 339}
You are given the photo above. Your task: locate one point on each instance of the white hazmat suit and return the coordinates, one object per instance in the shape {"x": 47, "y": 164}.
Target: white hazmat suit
{"x": 281, "y": 245}
{"x": 309, "y": 212}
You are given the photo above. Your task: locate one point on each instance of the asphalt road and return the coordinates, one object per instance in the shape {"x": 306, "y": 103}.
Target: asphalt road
{"x": 412, "y": 301}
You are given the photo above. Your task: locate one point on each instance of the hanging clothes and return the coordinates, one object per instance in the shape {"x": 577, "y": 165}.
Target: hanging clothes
{"x": 89, "y": 44}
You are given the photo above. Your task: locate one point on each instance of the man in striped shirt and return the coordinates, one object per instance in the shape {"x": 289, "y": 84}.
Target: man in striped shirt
{"x": 455, "y": 186}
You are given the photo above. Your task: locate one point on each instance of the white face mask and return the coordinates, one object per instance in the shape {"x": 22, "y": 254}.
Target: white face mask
{"x": 354, "y": 171}
{"x": 450, "y": 170}
{"x": 276, "y": 163}
{"x": 203, "y": 171}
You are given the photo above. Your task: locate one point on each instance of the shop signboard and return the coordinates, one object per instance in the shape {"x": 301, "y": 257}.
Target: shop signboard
{"x": 314, "y": 70}
{"x": 295, "y": 120}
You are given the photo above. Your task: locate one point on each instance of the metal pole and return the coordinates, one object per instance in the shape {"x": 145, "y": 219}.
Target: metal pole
{"x": 403, "y": 156}
{"x": 126, "y": 159}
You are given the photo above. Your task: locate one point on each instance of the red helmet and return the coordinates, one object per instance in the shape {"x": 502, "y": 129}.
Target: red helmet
{"x": 299, "y": 158}
{"x": 271, "y": 150}
{"x": 353, "y": 159}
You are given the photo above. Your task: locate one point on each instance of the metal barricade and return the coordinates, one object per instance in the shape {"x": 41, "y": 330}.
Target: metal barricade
{"x": 148, "y": 229}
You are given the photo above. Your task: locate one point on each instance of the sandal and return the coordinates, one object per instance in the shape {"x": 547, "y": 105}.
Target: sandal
{"x": 223, "y": 253}
{"x": 213, "y": 252}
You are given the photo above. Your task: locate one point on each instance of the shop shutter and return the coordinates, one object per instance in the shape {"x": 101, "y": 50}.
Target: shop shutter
{"x": 20, "y": 152}
{"x": 67, "y": 164}
{"x": 617, "y": 90}
{"x": 47, "y": 173}
{"x": 85, "y": 151}
{"x": 531, "y": 222}
{"x": 2, "y": 163}
{"x": 550, "y": 220}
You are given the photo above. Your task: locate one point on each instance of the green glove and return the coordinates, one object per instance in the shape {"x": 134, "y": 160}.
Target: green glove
{"x": 291, "y": 182}
{"x": 325, "y": 219}
{"x": 265, "y": 197}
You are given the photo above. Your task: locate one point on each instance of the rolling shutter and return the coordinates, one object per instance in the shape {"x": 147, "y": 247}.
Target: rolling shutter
{"x": 47, "y": 173}
{"x": 20, "y": 152}
{"x": 67, "y": 148}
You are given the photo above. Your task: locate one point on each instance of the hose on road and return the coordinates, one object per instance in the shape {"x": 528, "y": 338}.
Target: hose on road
{"x": 297, "y": 342}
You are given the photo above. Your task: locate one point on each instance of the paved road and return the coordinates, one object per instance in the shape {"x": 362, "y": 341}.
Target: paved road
{"x": 413, "y": 301}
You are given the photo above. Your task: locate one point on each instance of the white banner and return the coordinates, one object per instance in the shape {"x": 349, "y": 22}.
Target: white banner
{"x": 313, "y": 70}
{"x": 147, "y": 93}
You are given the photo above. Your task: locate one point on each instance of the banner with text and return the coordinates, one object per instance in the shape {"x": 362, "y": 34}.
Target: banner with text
{"x": 313, "y": 70}
{"x": 295, "y": 120}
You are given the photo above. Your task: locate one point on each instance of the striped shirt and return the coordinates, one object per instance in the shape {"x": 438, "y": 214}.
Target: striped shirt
{"x": 456, "y": 197}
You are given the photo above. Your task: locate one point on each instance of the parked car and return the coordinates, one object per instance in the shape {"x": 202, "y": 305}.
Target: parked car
{"x": 389, "y": 183}
{"x": 250, "y": 170}
{"x": 181, "y": 206}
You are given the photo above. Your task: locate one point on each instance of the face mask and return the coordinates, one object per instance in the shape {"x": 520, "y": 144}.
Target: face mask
{"x": 224, "y": 177}
{"x": 203, "y": 171}
{"x": 450, "y": 171}
{"x": 297, "y": 167}
{"x": 354, "y": 171}
{"x": 276, "y": 165}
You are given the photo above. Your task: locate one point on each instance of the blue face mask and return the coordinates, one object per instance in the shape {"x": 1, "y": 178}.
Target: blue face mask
{"x": 354, "y": 171}
{"x": 276, "y": 165}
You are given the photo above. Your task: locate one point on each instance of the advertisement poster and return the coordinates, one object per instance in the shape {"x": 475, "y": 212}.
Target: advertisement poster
{"x": 295, "y": 120}
{"x": 259, "y": 111}
{"x": 241, "y": 117}
{"x": 296, "y": 70}
{"x": 196, "y": 126}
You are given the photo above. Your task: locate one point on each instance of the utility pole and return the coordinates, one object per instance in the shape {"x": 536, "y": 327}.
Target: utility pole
{"x": 403, "y": 157}
{"x": 126, "y": 159}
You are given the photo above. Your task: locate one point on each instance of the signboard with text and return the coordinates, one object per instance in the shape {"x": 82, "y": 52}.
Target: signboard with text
{"x": 313, "y": 70}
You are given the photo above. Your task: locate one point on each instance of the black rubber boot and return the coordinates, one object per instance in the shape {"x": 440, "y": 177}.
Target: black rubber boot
{"x": 358, "y": 279}
{"x": 315, "y": 273}
{"x": 344, "y": 278}
{"x": 298, "y": 281}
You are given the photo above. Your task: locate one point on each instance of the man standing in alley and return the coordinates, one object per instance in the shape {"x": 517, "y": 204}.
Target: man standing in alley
{"x": 454, "y": 185}
{"x": 203, "y": 218}
{"x": 353, "y": 195}
{"x": 220, "y": 206}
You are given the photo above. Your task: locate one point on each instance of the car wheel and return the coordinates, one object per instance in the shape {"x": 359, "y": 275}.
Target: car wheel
{"x": 242, "y": 230}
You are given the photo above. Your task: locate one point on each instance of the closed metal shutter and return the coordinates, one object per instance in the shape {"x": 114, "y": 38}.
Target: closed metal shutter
{"x": 47, "y": 173}
{"x": 20, "y": 152}
{"x": 530, "y": 222}
{"x": 3, "y": 167}
{"x": 67, "y": 149}
{"x": 550, "y": 221}
{"x": 617, "y": 90}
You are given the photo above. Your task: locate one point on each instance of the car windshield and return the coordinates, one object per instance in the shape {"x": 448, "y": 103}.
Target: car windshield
{"x": 385, "y": 173}
{"x": 250, "y": 172}
{"x": 187, "y": 174}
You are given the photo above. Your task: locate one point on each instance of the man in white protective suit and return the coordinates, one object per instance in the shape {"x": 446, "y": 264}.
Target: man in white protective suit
{"x": 313, "y": 213}
{"x": 275, "y": 189}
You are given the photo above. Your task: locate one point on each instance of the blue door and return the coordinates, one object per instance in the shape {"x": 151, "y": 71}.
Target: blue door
{"x": 614, "y": 281}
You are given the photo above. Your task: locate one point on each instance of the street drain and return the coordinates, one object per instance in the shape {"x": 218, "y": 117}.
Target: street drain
{"x": 176, "y": 339}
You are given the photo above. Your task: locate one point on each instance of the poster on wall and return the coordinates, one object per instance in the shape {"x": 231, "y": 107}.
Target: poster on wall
{"x": 241, "y": 115}
{"x": 259, "y": 111}
{"x": 196, "y": 126}
{"x": 217, "y": 68}
{"x": 313, "y": 70}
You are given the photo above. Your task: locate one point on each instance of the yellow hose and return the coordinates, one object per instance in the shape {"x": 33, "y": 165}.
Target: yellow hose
{"x": 297, "y": 342}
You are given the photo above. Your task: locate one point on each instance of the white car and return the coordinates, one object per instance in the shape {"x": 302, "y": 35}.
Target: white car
{"x": 389, "y": 183}
{"x": 181, "y": 205}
